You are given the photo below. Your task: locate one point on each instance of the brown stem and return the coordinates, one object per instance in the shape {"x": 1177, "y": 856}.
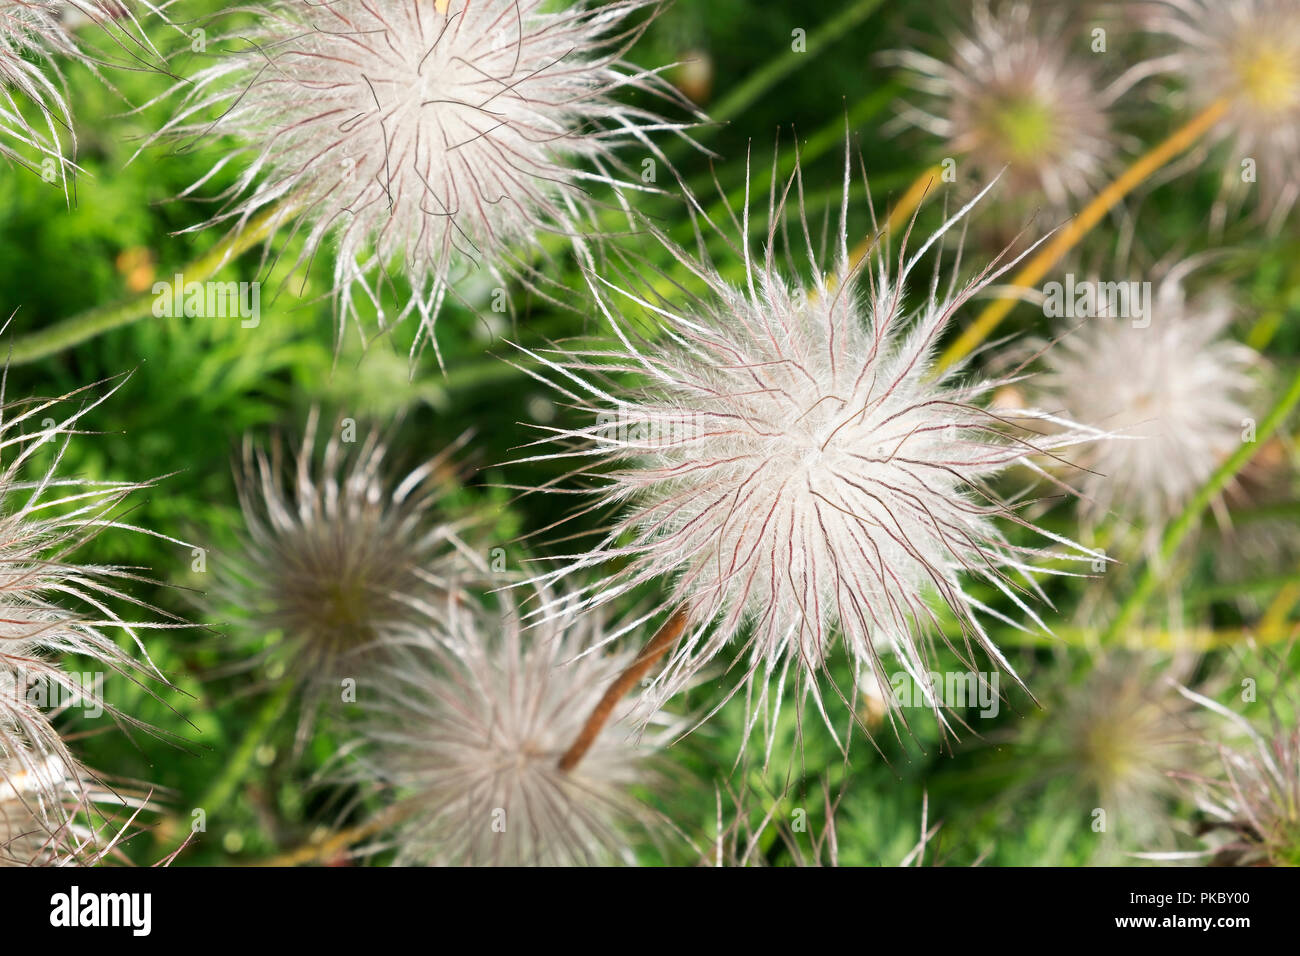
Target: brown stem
{"x": 664, "y": 638}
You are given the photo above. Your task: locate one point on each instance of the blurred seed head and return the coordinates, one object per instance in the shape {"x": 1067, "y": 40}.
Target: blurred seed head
{"x": 1013, "y": 95}
{"x": 338, "y": 553}
{"x": 437, "y": 136}
{"x": 1247, "y": 51}
{"x": 796, "y": 465}
{"x": 468, "y": 723}
{"x": 1118, "y": 740}
{"x": 1175, "y": 393}
{"x": 1252, "y": 804}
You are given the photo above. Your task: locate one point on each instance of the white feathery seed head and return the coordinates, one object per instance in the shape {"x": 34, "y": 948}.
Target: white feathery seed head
{"x": 436, "y": 137}
{"x": 50, "y": 605}
{"x": 468, "y": 722}
{"x": 338, "y": 553}
{"x": 34, "y": 36}
{"x": 1172, "y": 388}
{"x": 1247, "y": 52}
{"x": 54, "y": 813}
{"x": 795, "y": 466}
{"x": 1013, "y": 95}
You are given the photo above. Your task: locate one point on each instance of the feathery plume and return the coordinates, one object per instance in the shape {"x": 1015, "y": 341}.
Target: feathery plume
{"x": 793, "y": 463}
{"x": 34, "y": 35}
{"x": 468, "y": 721}
{"x": 439, "y": 136}
{"x": 1253, "y": 805}
{"x": 54, "y": 813}
{"x": 51, "y": 606}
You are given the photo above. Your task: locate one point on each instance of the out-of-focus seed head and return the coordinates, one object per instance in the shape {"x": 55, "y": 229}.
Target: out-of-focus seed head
{"x": 338, "y": 554}
{"x": 1247, "y": 52}
{"x": 1173, "y": 389}
{"x": 1117, "y": 741}
{"x": 1013, "y": 95}
{"x": 440, "y": 137}
{"x": 468, "y": 723}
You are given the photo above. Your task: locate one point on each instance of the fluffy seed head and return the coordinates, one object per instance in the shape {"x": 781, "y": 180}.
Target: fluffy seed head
{"x": 337, "y": 555}
{"x": 1252, "y": 804}
{"x": 1247, "y": 51}
{"x": 1258, "y": 798}
{"x": 796, "y": 465}
{"x": 32, "y": 34}
{"x": 469, "y": 722}
{"x": 1013, "y": 96}
{"x": 1174, "y": 391}
{"x": 50, "y": 605}
{"x": 436, "y": 135}
{"x": 54, "y": 813}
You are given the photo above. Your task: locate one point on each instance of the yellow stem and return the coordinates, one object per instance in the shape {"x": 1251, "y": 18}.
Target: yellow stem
{"x": 336, "y": 844}
{"x": 1272, "y": 626}
{"x": 916, "y": 192}
{"x": 1052, "y": 252}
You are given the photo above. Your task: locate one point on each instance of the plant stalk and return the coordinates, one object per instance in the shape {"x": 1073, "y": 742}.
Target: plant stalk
{"x": 663, "y": 639}
{"x": 1054, "y": 250}
{"x": 52, "y": 339}
{"x": 1178, "y": 531}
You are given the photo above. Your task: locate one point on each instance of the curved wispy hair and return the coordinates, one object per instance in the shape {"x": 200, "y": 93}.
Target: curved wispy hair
{"x": 338, "y": 553}
{"x": 444, "y": 136}
{"x": 1252, "y": 806}
{"x": 51, "y": 606}
{"x": 34, "y": 36}
{"x": 1173, "y": 389}
{"x": 1118, "y": 740}
{"x": 1012, "y": 96}
{"x": 55, "y": 813}
{"x": 468, "y": 722}
{"x": 794, "y": 461}
{"x": 1247, "y": 51}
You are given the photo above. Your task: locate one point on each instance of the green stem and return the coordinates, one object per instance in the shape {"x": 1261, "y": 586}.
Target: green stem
{"x": 1177, "y": 532}
{"x": 80, "y": 328}
{"x": 223, "y": 788}
{"x": 753, "y": 89}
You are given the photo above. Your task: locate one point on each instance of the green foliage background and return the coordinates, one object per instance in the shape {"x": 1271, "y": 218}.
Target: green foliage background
{"x": 196, "y": 386}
